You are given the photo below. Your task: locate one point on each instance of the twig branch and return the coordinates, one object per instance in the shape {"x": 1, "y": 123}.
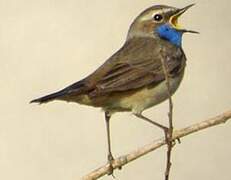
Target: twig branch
{"x": 125, "y": 159}
{"x": 168, "y": 136}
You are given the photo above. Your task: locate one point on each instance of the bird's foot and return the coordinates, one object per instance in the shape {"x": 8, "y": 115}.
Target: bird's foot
{"x": 110, "y": 162}
{"x": 168, "y": 136}
{"x": 111, "y": 168}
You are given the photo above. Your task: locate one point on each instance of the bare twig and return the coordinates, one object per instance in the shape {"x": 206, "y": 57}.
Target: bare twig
{"x": 125, "y": 159}
{"x": 170, "y": 114}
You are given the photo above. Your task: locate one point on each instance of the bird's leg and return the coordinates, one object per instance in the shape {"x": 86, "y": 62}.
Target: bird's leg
{"x": 164, "y": 128}
{"x": 109, "y": 156}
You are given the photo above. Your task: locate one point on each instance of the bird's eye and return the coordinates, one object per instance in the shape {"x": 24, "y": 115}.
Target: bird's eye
{"x": 158, "y": 17}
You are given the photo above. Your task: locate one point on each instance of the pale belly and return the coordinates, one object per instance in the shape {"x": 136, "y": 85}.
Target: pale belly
{"x": 144, "y": 98}
{"x": 136, "y": 101}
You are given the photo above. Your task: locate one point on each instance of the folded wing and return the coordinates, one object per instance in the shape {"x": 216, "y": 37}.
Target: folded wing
{"x": 138, "y": 66}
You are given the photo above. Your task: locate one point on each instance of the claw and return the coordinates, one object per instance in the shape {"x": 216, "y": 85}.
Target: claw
{"x": 167, "y": 137}
{"x": 110, "y": 162}
{"x": 178, "y": 140}
{"x": 166, "y": 133}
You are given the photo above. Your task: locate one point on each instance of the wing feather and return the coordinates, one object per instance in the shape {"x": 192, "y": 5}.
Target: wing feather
{"x": 137, "y": 71}
{"x": 137, "y": 64}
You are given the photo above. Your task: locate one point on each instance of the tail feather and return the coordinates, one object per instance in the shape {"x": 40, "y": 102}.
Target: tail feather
{"x": 76, "y": 88}
{"x": 48, "y": 98}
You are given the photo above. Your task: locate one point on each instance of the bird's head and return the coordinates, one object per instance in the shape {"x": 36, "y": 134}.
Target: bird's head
{"x": 160, "y": 21}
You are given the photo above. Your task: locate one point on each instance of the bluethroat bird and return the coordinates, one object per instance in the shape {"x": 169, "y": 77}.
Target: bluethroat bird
{"x": 132, "y": 79}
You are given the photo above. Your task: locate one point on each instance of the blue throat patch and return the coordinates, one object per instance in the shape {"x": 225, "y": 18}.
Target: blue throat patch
{"x": 170, "y": 34}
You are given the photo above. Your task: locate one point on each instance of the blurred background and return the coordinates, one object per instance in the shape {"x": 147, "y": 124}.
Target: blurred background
{"x": 48, "y": 44}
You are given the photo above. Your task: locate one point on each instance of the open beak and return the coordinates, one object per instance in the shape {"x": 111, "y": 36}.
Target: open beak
{"x": 174, "y": 19}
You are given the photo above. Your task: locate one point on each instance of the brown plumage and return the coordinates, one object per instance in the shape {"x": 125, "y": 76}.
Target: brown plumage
{"x": 133, "y": 79}
{"x": 130, "y": 69}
